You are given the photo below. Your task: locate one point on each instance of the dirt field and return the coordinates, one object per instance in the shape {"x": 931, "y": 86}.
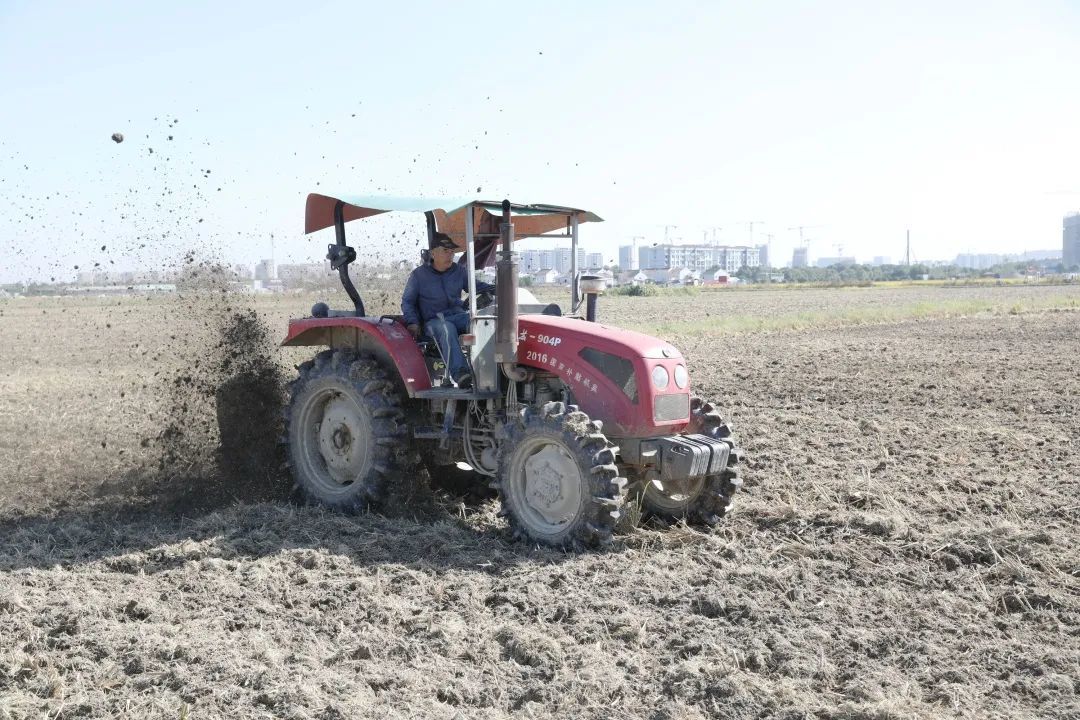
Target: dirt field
{"x": 907, "y": 545}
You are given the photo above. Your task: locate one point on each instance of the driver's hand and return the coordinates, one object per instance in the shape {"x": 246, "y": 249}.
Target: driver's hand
{"x": 415, "y": 330}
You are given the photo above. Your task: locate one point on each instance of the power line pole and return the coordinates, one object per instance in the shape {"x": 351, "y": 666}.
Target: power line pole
{"x": 907, "y": 252}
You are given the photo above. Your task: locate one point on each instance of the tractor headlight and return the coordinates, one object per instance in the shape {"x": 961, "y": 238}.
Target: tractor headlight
{"x": 681, "y": 376}
{"x": 660, "y": 377}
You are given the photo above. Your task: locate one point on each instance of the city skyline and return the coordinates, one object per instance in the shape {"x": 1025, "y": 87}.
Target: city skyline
{"x": 557, "y": 258}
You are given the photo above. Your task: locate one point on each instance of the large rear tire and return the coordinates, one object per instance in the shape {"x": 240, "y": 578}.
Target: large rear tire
{"x": 557, "y": 478}
{"x": 705, "y": 499}
{"x": 344, "y": 439}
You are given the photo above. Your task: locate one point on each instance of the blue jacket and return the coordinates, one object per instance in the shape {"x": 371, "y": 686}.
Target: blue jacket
{"x": 430, "y": 292}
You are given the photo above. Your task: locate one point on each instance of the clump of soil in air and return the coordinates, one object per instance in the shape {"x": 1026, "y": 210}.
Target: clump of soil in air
{"x": 223, "y": 408}
{"x": 249, "y": 403}
{"x": 221, "y": 442}
{"x": 118, "y": 137}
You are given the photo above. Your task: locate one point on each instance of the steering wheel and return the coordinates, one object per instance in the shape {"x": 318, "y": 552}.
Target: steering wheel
{"x": 484, "y": 300}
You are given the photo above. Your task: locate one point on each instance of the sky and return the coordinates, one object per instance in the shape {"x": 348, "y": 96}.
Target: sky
{"x": 857, "y": 121}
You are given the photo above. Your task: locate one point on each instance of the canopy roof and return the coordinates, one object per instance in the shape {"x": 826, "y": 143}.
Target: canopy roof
{"x": 450, "y": 213}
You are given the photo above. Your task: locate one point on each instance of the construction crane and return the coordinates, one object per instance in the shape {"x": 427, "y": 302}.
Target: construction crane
{"x": 803, "y": 241}
{"x": 752, "y": 223}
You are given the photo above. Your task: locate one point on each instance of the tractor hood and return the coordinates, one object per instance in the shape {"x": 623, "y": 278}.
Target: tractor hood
{"x": 597, "y": 335}
{"x": 610, "y": 372}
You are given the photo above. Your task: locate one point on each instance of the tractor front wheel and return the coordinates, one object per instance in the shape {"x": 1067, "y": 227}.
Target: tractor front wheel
{"x": 343, "y": 435}
{"x": 557, "y": 478}
{"x": 704, "y": 499}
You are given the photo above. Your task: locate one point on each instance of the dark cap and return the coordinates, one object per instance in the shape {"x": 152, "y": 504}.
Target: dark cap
{"x": 442, "y": 240}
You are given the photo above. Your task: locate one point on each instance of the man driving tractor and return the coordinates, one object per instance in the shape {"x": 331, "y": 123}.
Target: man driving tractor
{"x": 432, "y": 300}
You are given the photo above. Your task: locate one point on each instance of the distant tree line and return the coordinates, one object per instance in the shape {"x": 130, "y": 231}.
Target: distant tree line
{"x": 856, "y": 273}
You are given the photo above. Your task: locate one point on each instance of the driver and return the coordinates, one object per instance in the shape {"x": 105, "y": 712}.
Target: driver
{"x": 433, "y": 297}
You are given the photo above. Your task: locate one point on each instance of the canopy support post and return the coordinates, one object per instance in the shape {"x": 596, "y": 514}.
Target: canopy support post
{"x": 470, "y": 259}
{"x": 573, "y": 262}
{"x": 340, "y": 255}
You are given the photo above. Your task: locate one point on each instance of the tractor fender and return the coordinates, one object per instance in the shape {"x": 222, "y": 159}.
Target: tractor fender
{"x": 388, "y": 340}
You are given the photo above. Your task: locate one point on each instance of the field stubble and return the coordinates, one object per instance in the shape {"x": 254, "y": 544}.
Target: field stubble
{"x": 906, "y": 546}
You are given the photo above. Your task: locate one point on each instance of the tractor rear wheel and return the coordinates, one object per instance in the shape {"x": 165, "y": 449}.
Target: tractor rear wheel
{"x": 557, "y": 478}
{"x": 344, "y": 439}
{"x": 704, "y": 499}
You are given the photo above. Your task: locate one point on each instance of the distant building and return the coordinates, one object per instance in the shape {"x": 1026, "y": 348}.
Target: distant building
{"x": 699, "y": 257}
{"x": 830, "y": 261}
{"x": 799, "y": 258}
{"x": 264, "y": 271}
{"x": 980, "y": 261}
{"x": 1041, "y": 255}
{"x": 672, "y": 276}
{"x": 607, "y": 276}
{"x": 547, "y": 259}
{"x": 763, "y": 255}
{"x": 301, "y": 272}
{"x": 1070, "y": 240}
{"x": 631, "y": 277}
{"x": 563, "y": 257}
{"x": 628, "y": 259}
{"x": 649, "y": 258}
{"x": 880, "y": 260}
{"x": 150, "y": 277}
{"x": 530, "y": 261}
{"x": 106, "y": 277}
{"x": 594, "y": 260}
{"x": 562, "y": 260}
{"x": 717, "y": 277}
{"x": 546, "y": 276}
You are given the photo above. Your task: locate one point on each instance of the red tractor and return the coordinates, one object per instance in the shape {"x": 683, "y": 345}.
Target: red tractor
{"x": 566, "y": 417}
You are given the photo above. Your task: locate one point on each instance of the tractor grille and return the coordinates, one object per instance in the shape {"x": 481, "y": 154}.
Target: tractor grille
{"x": 671, "y": 407}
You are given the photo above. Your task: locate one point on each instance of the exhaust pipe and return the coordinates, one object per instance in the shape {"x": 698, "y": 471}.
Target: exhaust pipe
{"x": 592, "y": 286}
{"x": 506, "y": 292}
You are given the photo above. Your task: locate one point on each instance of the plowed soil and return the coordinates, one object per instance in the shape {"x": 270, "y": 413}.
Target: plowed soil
{"x": 907, "y": 545}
